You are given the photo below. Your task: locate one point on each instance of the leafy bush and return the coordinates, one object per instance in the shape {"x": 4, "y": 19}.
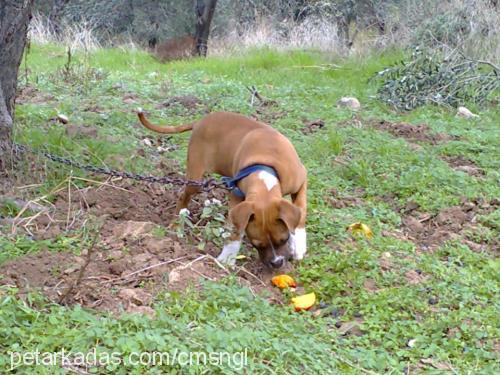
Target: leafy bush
{"x": 429, "y": 76}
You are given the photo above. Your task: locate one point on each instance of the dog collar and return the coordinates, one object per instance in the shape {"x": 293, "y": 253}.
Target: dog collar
{"x": 232, "y": 182}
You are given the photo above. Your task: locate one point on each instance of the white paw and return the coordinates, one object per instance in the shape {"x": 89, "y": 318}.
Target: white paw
{"x": 229, "y": 253}
{"x": 298, "y": 243}
{"x": 184, "y": 212}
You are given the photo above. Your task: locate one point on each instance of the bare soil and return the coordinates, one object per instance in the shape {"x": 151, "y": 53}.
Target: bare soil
{"x": 138, "y": 254}
{"x": 452, "y": 223}
{"x": 459, "y": 163}
{"x": 411, "y": 132}
{"x": 311, "y": 127}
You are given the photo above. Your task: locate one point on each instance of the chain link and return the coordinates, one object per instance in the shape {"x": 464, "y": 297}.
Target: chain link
{"x": 205, "y": 185}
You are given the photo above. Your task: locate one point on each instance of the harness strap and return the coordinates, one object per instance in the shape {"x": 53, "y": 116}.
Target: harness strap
{"x": 232, "y": 182}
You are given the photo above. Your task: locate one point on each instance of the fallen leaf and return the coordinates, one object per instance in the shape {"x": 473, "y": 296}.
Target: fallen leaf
{"x": 283, "y": 281}
{"x": 304, "y": 302}
{"x": 361, "y": 228}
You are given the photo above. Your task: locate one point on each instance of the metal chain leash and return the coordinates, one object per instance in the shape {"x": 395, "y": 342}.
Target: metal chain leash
{"x": 205, "y": 185}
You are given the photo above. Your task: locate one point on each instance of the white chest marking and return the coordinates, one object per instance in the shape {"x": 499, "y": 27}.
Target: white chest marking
{"x": 269, "y": 180}
{"x": 298, "y": 243}
{"x": 229, "y": 253}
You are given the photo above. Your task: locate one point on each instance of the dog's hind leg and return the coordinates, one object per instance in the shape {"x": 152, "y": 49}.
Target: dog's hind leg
{"x": 195, "y": 171}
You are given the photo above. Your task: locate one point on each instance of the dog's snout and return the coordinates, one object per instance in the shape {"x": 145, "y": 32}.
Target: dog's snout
{"x": 277, "y": 262}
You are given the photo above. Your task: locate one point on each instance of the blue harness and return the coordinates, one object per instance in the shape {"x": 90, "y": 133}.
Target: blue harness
{"x": 232, "y": 182}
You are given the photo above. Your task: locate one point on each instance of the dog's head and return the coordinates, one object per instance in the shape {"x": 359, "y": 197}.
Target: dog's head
{"x": 268, "y": 227}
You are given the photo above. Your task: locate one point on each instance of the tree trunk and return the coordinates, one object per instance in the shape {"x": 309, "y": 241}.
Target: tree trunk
{"x": 204, "y": 14}
{"x": 14, "y": 19}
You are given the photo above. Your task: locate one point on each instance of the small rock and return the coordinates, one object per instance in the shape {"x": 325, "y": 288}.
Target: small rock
{"x": 411, "y": 343}
{"x": 162, "y": 149}
{"x": 148, "y": 142}
{"x": 349, "y": 102}
{"x": 465, "y": 113}
{"x": 62, "y": 118}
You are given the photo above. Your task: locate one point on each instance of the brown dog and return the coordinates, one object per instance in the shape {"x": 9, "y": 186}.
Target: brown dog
{"x": 174, "y": 48}
{"x": 266, "y": 167}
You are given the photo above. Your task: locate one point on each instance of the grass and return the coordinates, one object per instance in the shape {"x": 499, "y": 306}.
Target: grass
{"x": 462, "y": 284}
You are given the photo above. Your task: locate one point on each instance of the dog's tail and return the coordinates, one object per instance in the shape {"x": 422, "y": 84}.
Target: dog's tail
{"x": 162, "y": 129}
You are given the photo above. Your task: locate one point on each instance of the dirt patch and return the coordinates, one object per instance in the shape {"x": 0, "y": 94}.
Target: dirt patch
{"x": 410, "y": 132}
{"x": 311, "y": 127}
{"x": 138, "y": 254}
{"x": 190, "y": 102}
{"x": 459, "y": 163}
{"x": 337, "y": 201}
{"x": 30, "y": 94}
{"x": 452, "y": 223}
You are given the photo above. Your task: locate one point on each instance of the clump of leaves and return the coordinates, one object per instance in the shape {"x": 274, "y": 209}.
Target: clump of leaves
{"x": 430, "y": 76}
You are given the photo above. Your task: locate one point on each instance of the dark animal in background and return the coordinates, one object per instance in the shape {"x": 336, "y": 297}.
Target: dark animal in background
{"x": 173, "y": 49}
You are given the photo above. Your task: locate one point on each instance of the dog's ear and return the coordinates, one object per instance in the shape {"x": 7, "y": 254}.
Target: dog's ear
{"x": 290, "y": 214}
{"x": 240, "y": 215}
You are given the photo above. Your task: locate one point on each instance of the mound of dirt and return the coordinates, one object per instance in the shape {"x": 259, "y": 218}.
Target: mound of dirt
{"x": 452, "y": 223}
{"x": 459, "y": 163}
{"x": 413, "y": 133}
{"x": 30, "y": 94}
{"x": 188, "y": 101}
{"x": 311, "y": 127}
{"x": 137, "y": 255}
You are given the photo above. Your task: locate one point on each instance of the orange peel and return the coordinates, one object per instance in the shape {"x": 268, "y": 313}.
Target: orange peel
{"x": 361, "y": 228}
{"x": 283, "y": 281}
{"x": 304, "y": 302}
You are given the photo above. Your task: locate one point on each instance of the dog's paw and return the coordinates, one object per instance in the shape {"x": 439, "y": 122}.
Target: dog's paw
{"x": 184, "y": 212}
{"x": 298, "y": 244}
{"x": 229, "y": 253}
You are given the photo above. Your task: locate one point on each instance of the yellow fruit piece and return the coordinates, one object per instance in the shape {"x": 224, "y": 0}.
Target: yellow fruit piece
{"x": 283, "y": 281}
{"x": 361, "y": 228}
{"x": 304, "y": 302}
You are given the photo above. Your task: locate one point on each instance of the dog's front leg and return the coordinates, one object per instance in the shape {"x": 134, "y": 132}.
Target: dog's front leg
{"x": 239, "y": 213}
{"x": 298, "y": 240}
{"x": 229, "y": 252}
